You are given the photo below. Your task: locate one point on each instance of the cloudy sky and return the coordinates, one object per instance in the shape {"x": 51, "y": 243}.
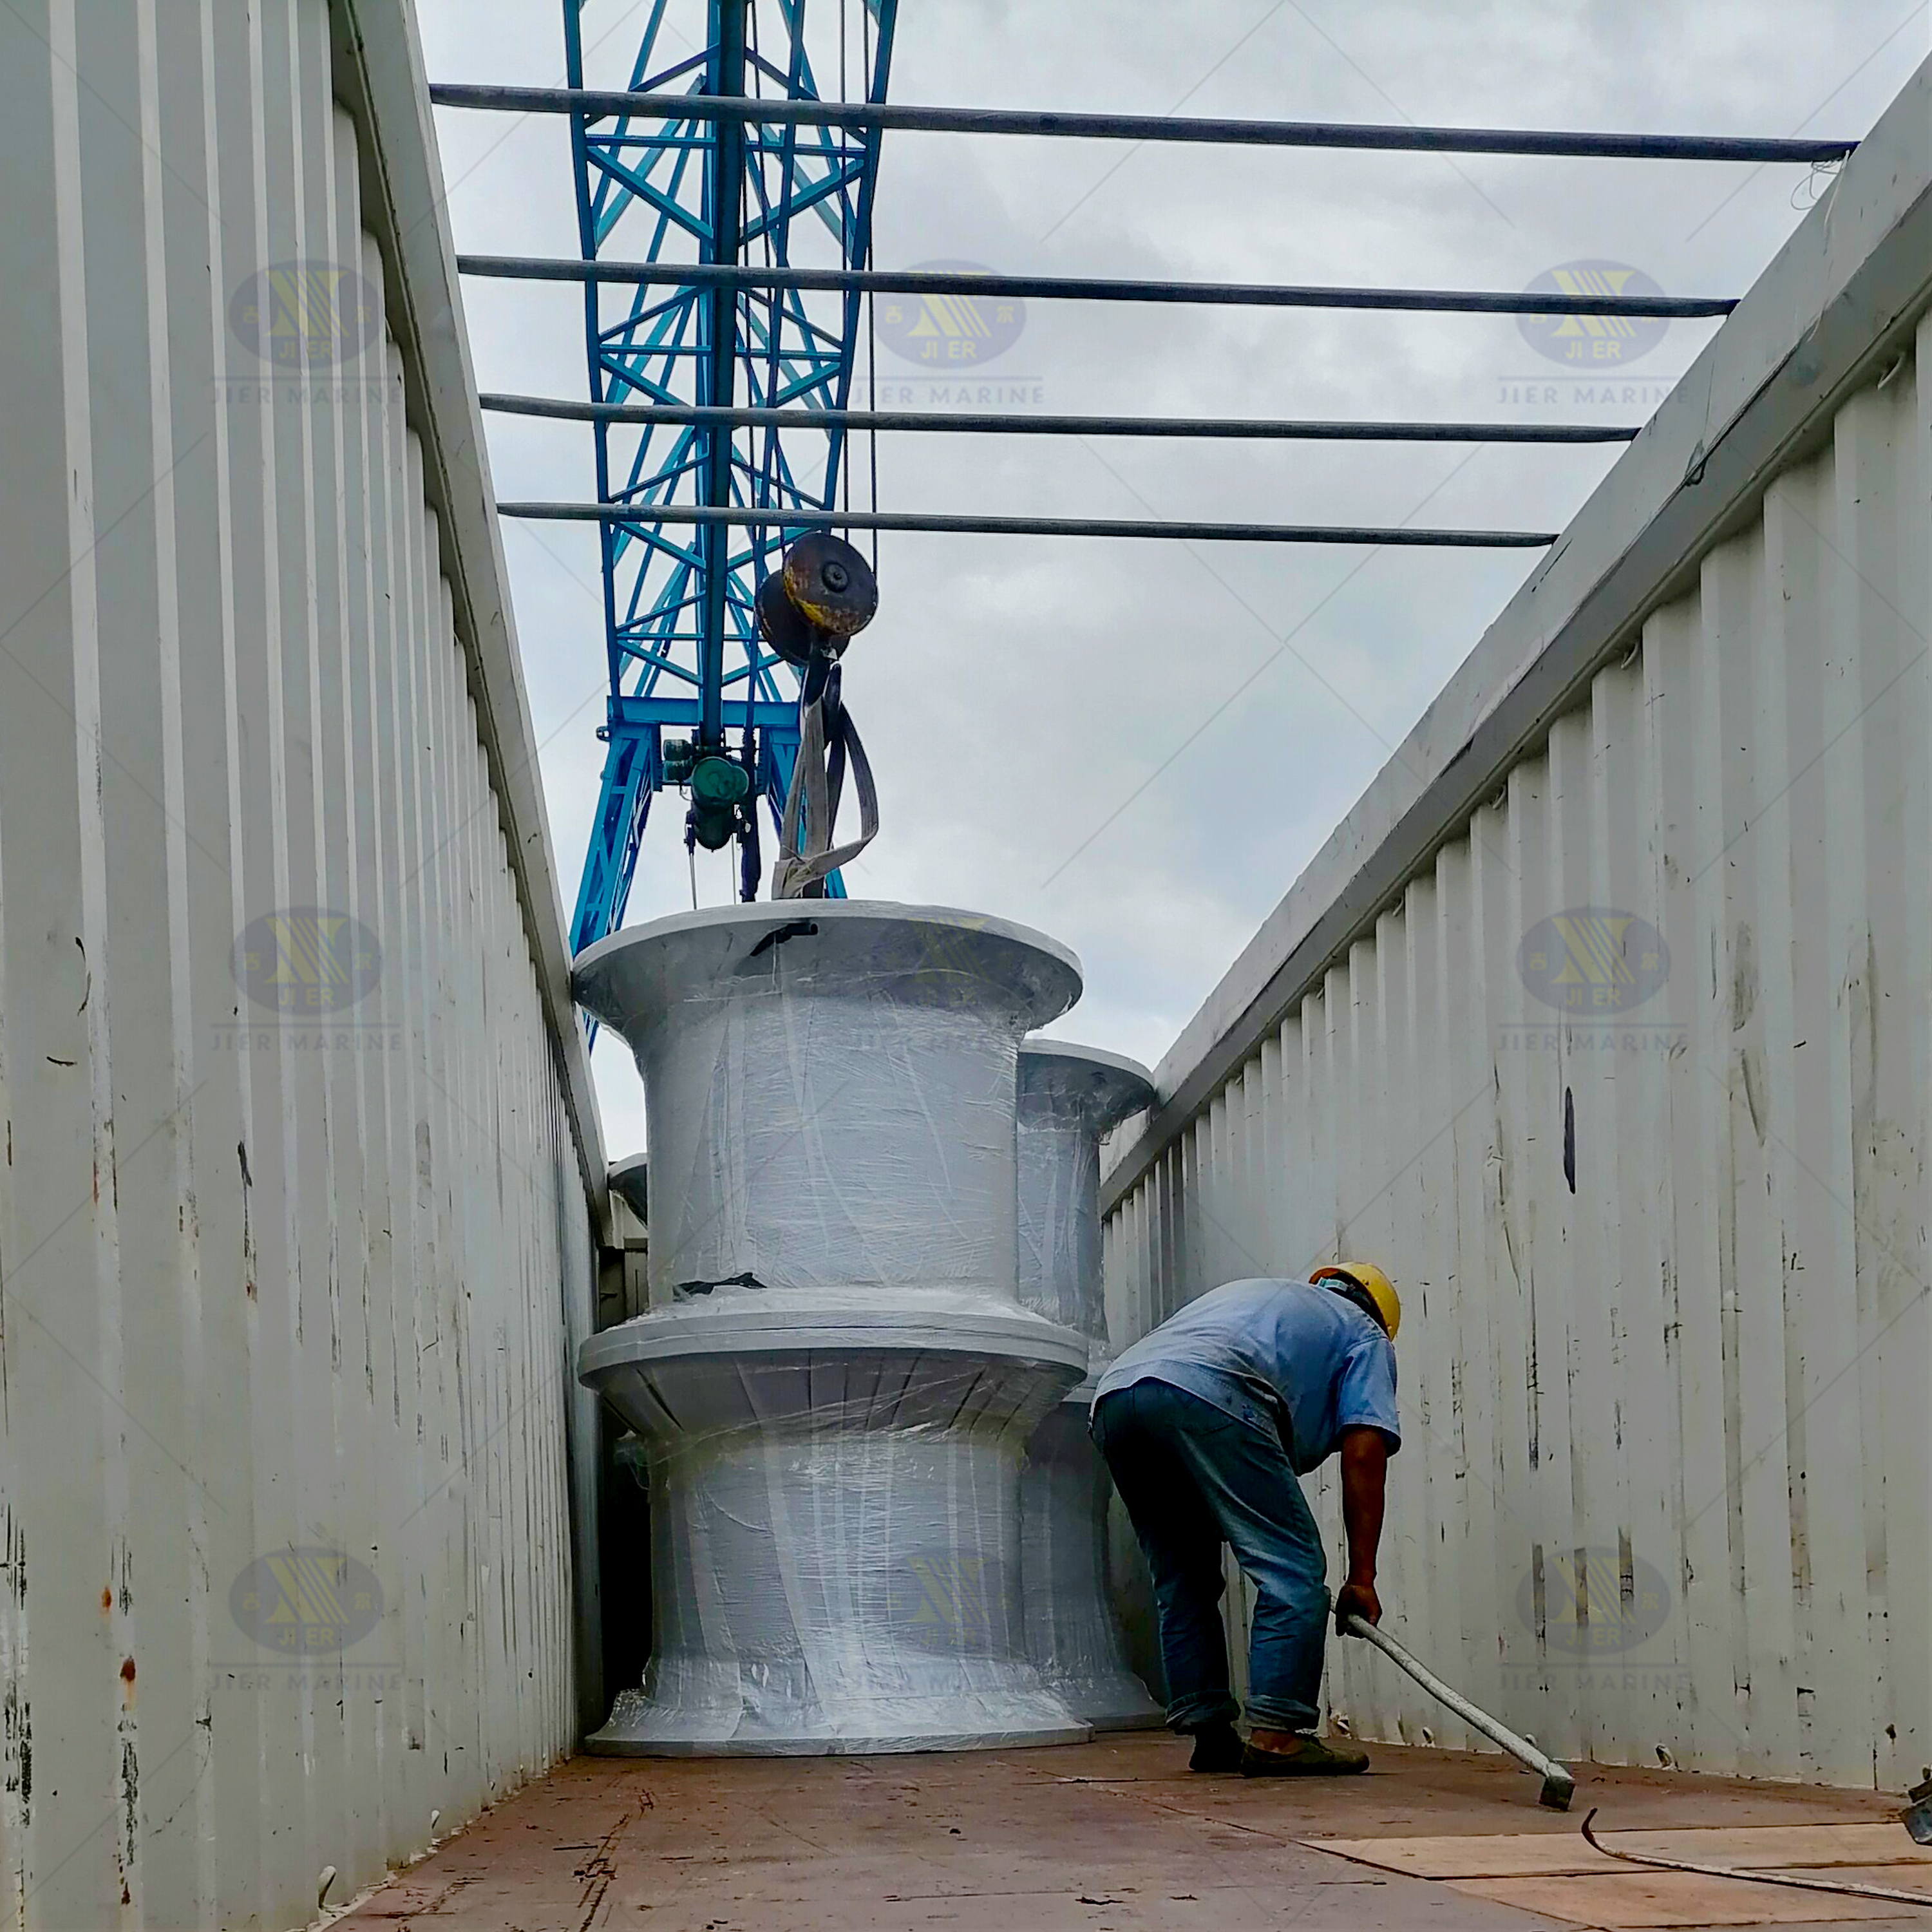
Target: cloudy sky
{"x": 1137, "y": 746}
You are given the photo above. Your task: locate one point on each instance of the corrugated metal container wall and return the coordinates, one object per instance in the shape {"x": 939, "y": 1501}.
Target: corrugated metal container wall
{"x": 291, "y": 1206}
{"x": 1629, "y": 1087}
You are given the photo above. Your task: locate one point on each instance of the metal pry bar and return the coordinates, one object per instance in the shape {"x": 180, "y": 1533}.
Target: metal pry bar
{"x": 1558, "y": 1784}
{"x": 1922, "y": 1900}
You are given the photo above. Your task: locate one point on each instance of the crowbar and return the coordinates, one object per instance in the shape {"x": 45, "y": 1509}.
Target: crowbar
{"x": 1921, "y": 1899}
{"x": 1558, "y": 1784}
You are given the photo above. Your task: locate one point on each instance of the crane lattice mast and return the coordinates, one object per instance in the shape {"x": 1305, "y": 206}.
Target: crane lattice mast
{"x": 691, "y": 685}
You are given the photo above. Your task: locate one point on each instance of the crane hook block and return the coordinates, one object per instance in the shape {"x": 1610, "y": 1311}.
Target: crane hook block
{"x": 825, "y": 595}
{"x": 831, "y": 583}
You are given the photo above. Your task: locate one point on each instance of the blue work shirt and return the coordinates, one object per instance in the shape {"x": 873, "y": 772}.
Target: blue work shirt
{"x": 1286, "y": 1354}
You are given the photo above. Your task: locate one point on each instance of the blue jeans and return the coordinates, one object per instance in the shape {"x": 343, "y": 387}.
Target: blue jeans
{"x": 1193, "y": 1477}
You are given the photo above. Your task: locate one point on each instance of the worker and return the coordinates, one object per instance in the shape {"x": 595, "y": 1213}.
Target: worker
{"x": 1206, "y": 1424}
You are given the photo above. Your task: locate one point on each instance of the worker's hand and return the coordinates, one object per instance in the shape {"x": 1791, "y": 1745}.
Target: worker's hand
{"x": 1356, "y": 1599}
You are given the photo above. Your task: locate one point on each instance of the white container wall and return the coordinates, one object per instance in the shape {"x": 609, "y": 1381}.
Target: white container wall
{"x": 296, "y": 1202}
{"x": 1603, "y": 1024}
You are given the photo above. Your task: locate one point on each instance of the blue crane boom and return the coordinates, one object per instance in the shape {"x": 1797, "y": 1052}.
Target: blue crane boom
{"x": 686, "y": 662}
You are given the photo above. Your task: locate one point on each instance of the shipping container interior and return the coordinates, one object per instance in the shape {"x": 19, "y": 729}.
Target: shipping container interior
{"x": 410, "y": 1512}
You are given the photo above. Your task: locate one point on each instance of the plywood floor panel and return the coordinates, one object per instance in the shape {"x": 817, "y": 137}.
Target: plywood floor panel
{"x": 1115, "y": 1836}
{"x": 1655, "y": 1899}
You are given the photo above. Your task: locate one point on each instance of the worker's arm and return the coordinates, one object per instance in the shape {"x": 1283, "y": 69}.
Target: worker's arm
{"x": 1365, "y": 1454}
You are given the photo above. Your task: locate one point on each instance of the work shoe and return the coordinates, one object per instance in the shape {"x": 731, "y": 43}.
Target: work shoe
{"x": 1217, "y": 1748}
{"x": 1314, "y": 1759}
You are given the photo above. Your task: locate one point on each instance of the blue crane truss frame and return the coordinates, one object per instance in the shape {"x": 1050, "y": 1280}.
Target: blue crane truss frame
{"x": 681, "y": 631}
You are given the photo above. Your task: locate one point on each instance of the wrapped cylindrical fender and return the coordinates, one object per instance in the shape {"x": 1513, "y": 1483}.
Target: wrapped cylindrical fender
{"x": 1069, "y": 1096}
{"x": 829, "y": 1091}
{"x": 631, "y": 1180}
{"x": 836, "y": 1382}
{"x": 835, "y": 1527}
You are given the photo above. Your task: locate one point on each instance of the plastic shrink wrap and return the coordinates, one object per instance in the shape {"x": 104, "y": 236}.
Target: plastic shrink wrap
{"x": 834, "y": 1382}
{"x": 632, "y": 1179}
{"x": 1069, "y": 1096}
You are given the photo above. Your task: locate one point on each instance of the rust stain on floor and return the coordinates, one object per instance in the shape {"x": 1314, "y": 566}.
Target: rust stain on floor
{"x": 1115, "y": 1836}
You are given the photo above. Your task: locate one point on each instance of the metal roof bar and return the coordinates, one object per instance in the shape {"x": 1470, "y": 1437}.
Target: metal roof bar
{"x": 1139, "y": 126}
{"x": 1080, "y": 288}
{"x": 645, "y": 514}
{"x": 1006, "y": 423}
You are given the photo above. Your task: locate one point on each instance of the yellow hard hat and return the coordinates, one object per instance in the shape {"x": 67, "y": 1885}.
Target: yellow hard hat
{"x": 1373, "y": 1283}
